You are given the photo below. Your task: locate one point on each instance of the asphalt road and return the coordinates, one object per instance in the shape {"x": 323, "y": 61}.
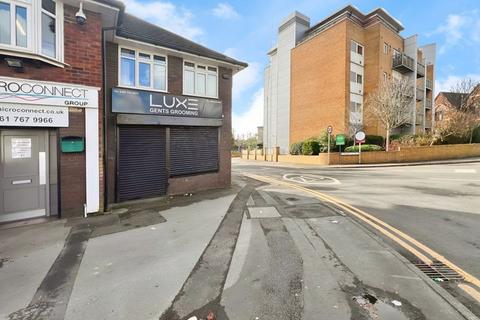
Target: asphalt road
{"x": 438, "y": 205}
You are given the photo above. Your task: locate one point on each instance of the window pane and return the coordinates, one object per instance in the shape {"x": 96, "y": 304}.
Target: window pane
{"x": 189, "y": 81}
{"x": 127, "y": 53}
{"x": 211, "y": 85}
{"x": 159, "y": 76}
{"x": 201, "y": 67}
{"x": 127, "y": 72}
{"x": 212, "y": 69}
{"x": 144, "y": 56}
{"x": 359, "y": 78}
{"x": 353, "y": 46}
{"x": 159, "y": 59}
{"x": 360, "y": 50}
{"x": 49, "y": 6}
{"x": 4, "y": 23}
{"x": 144, "y": 74}
{"x": 189, "y": 64}
{"x": 21, "y": 26}
{"x": 48, "y": 35}
{"x": 200, "y": 84}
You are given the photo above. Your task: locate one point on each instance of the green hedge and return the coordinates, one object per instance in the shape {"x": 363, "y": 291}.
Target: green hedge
{"x": 365, "y": 147}
{"x": 376, "y": 140}
{"x": 476, "y": 135}
{"x": 310, "y": 147}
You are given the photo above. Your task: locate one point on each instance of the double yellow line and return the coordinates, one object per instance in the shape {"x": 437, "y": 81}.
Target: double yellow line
{"x": 407, "y": 242}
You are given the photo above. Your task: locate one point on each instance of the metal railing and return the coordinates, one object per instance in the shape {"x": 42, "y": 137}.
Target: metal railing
{"x": 420, "y": 70}
{"x": 429, "y": 84}
{"x": 420, "y": 94}
{"x": 403, "y": 63}
{"x": 428, "y": 104}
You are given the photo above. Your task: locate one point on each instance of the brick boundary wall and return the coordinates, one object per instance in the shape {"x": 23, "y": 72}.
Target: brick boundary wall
{"x": 404, "y": 155}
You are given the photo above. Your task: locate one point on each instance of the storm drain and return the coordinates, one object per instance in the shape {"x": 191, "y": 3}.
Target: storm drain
{"x": 438, "y": 271}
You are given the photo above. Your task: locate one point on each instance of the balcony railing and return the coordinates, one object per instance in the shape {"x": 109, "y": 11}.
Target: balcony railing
{"x": 420, "y": 70}
{"x": 419, "y": 119}
{"x": 429, "y": 84}
{"x": 403, "y": 63}
{"x": 420, "y": 94}
{"x": 428, "y": 104}
{"x": 428, "y": 123}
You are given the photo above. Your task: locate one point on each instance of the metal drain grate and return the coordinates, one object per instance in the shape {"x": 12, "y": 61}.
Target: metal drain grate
{"x": 438, "y": 271}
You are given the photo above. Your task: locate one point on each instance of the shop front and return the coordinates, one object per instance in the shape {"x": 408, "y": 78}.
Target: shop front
{"x": 162, "y": 137}
{"x": 44, "y": 127}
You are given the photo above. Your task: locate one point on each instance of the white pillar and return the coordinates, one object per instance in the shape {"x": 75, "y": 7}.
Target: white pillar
{"x": 92, "y": 160}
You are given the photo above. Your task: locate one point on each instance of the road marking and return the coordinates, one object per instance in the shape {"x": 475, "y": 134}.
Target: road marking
{"x": 465, "y": 171}
{"x": 310, "y": 179}
{"x": 381, "y": 226}
{"x": 471, "y": 291}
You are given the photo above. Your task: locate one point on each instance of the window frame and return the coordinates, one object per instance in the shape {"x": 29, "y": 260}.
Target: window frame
{"x": 139, "y": 60}
{"x": 357, "y": 46}
{"x": 206, "y": 72}
{"x": 34, "y": 32}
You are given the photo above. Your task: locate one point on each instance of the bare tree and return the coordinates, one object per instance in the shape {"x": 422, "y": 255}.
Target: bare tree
{"x": 391, "y": 104}
{"x": 462, "y": 119}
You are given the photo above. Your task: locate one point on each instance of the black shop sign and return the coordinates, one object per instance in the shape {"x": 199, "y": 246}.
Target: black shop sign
{"x": 161, "y": 104}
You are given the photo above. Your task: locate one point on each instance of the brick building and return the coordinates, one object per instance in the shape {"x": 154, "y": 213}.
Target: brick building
{"x": 321, "y": 75}
{"x": 53, "y": 110}
{"x": 168, "y": 113}
{"x": 448, "y": 102}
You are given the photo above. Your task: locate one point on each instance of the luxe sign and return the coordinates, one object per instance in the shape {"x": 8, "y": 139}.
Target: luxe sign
{"x": 160, "y": 104}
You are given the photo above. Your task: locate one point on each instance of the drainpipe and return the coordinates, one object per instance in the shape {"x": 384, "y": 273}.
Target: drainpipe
{"x": 105, "y": 130}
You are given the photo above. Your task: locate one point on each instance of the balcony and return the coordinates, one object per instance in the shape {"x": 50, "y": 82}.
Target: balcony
{"x": 403, "y": 63}
{"x": 419, "y": 119}
{"x": 420, "y": 94}
{"x": 429, "y": 84}
{"x": 420, "y": 70}
{"x": 428, "y": 104}
{"x": 428, "y": 123}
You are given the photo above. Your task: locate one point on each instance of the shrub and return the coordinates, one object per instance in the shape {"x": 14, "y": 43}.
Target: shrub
{"x": 310, "y": 147}
{"x": 365, "y": 147}
{"x": 296, "y": 148}
{"x": 376, "y": 140}
{"x": 416, "y": 140}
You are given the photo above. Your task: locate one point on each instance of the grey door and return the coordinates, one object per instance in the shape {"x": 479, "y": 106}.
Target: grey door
{"x": 23, "y": 174}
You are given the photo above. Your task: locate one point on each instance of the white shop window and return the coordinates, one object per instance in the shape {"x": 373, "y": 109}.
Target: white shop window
{"x": 200, "y": 80}
{"x": 32, "y": 27}
{"x": 144, "y": 70}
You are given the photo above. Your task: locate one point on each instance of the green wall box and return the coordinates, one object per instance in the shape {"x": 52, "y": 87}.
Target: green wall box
{"x": 72, "y": 144}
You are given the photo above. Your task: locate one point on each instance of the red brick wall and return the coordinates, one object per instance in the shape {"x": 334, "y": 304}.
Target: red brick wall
{"x": 83, "y": 56}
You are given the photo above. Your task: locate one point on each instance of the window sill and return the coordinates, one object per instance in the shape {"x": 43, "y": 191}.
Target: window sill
{"x": 32, "y": 56}
{"x": 199, "y": 96}
{"x": 141, "y": 89}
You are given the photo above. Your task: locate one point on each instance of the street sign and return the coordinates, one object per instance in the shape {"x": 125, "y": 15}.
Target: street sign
{"x": 360, "y": 137}
{"x": 340, "y": 139}
{"x": 329, "y": 129}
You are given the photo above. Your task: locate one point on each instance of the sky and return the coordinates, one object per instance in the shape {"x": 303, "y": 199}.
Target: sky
{"x": 247, "y": 29}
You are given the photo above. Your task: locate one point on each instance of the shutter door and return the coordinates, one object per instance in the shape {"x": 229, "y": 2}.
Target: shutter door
{"x": 193, "y": 150}
{"x": 141, "y": 162}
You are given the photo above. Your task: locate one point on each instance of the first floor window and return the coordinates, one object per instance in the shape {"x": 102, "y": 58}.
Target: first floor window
{"x": 140, "y": 69}
{"x": 49, "y": 28}
{"x": 200, "y": 80}
{"x": 21, "y": 26}
{"x": 5, "y": 33}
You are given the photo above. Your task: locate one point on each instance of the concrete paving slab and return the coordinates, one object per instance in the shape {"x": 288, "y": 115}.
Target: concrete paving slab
{"x": 263, "y": 212}
{"x": 136, "y": 274}
{"x": 27, "y": 254}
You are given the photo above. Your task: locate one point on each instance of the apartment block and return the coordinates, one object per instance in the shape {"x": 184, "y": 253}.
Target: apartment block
{"x": 332, "y": 66}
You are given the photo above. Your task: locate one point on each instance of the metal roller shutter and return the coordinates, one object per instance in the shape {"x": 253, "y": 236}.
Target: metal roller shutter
{"x": 141, "y": 162}
{"x": 193, "y": 150}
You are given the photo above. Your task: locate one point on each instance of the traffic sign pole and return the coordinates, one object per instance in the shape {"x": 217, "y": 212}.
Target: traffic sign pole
{"x": 329, "y": 131}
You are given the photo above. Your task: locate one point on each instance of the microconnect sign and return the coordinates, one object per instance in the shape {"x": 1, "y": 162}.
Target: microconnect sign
{"x": 47, "y": 93}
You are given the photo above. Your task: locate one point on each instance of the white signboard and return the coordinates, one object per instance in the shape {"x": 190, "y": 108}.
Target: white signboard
{"x": 34, "y": 92}
{"x": 33, "y": 116}
{"x": 21, "y": 148}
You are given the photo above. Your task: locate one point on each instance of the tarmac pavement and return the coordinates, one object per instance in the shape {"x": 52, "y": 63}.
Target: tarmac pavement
{"x": 256, "y": 251}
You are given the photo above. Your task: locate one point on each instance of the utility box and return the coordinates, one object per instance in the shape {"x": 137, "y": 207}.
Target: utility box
{"x": 72, "y": 144}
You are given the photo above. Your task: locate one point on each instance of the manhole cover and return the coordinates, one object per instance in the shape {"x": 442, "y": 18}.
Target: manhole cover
{"x": 310, "y": 179}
